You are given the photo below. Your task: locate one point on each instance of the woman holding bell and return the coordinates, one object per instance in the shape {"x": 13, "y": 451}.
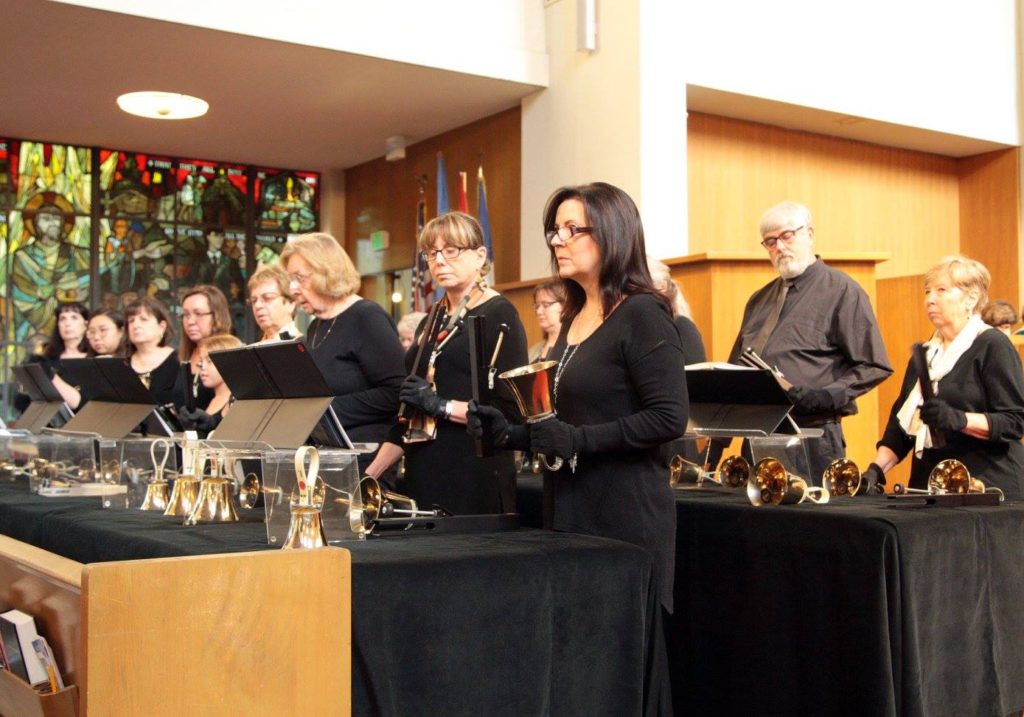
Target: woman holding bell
{"x": 976, "y": 376}
{"x": 619, "y": 390}
{"x": 444, "y": 469}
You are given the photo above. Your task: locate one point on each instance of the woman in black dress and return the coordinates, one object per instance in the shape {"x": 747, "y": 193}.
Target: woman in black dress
{"x": 979, "y": 390}
{"x": 445, "y": 471}
{"x": 352, "y": 340}
{"x": 66, "y": 342}
{"x": 150, "y": 354}
{"x": 619, "y": 390}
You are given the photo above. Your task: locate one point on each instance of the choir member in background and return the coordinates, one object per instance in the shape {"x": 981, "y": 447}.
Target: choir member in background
{"x": 816, "y": 326}
{"x": 206, "y": 419}
{"x": 548, "y": 300}
{"x": 150, "y": 333}
{"x": 1000, "y": 315}
{"x": 272, "y": 304}
{"x": 204, "y": 312}
{"x": 407, "y": 326}
{"x": 445, "y": 470}
{"x": 106, "y": 334}
{"x": 619, "y": 390}
{"x": 979, "y": 389}
{"x": 66, "y": 342}
{"x": 352, "y": 340}
{"x": 693, "y": 342}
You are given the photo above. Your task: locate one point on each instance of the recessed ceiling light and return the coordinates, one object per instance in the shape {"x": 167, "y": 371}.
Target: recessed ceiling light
{"x": 162, "y": 105}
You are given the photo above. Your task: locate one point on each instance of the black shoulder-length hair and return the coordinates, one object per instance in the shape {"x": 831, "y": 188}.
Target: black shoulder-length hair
{"x": 620, "y": 241}
{"x": 55, "y": 346}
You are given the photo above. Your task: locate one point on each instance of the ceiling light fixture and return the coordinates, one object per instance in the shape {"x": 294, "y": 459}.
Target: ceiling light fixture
{"x": 162, "y": 105}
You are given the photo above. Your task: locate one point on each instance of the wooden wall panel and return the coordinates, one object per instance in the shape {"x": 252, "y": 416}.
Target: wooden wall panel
{"x": 864, "y": 197}
{"x": 990, "y": 218}
{"x": 383, "y": 195}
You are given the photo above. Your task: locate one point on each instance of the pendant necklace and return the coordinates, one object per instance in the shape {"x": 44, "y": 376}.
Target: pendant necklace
{"x": 567, "y": 355}
{"x": 313, "y": 343}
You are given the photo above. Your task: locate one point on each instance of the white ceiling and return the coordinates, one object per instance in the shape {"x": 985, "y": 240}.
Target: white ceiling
{"x": 809, "y": 119}
{"x": 271, "y": 103}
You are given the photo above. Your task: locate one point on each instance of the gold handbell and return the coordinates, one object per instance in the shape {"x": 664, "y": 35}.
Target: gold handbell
{"x": 771, "y": 484}
{"x": 306, "y": 529}
{"x": 157, "y": 496}
{"x": 732, "y": 472}
{"x": 842, "y": 478}
{"x": 183, "y": 496}
{"x": 215, "y": 503}
{"x": 952, "y": 476}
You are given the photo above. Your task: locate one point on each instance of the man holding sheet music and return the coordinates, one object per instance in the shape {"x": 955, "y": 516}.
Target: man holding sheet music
{"x": 815, "y": 326}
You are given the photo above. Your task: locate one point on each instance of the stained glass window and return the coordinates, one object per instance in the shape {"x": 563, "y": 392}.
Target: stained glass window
{"x": 137, "y": 185}
{"x": 287, "y": 201}
{"x": 212, "y": 193}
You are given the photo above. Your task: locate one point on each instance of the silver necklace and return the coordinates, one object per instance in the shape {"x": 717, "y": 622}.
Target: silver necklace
{"x": 313, "y": 343}
{"x": 567, "y": 355}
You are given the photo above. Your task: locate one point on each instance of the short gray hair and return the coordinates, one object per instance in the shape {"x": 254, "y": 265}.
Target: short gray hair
{"x": 966, "y": 273}
{"x": 785, "y": 214}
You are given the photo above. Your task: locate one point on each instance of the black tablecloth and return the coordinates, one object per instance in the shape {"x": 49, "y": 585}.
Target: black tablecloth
{"x": 516, "y": 623}
{"x": 857, "y": 607}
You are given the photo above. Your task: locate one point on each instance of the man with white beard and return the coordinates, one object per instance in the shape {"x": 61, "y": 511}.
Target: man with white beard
{"x": 816, "y": 326}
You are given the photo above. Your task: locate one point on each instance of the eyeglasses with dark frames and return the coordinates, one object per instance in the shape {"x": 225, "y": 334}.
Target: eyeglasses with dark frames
{"x": 566, "y": 235}
{"x": 786, "y": 236}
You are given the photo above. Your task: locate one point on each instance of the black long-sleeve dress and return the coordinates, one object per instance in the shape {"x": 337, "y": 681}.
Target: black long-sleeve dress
{"x": 360, "y": 356}
{"x": 446, "y": 471}
{"x": 987, "y": 379}
{"x": 625, "y": 385}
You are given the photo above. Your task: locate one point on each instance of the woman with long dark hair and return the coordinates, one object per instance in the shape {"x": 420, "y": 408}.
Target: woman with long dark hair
{"x": 67, "y": 341}
{"x": 619, "y": 390}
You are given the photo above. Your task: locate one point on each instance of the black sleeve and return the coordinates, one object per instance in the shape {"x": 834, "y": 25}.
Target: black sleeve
{"x": 380, "y": 359}
{"x": 895, "y": 438}
{"x": 1003, "y": 381}
{"x": 657, "y": 372}
{"x": 693, "y": 342}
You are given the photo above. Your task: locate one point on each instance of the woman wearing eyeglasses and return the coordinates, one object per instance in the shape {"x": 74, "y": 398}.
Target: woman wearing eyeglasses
{"x": 204, "y": 312}
{"x": 619, "y": 390}
{"x": 548, "y": 299}
{"x": 106, "y": 333}
{"x": 272, "y": 304}
{"x": 352, "y": 340}
{"x": 445, "y": 470}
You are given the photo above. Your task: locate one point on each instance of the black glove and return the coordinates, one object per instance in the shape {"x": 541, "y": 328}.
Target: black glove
{"x": 196, "y": 419}
{"x": 810, "y": 400}
{"x": 872, "y": 481}
{"x": 552, "y": 437}
{"x": 489, "y": 421}
{"x": 417, "y": 393}
{"x": 939, "y": 415}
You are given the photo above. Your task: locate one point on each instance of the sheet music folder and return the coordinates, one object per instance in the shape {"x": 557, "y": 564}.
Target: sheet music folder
{"x": 742, "y": 402}
{"x": 46, "y": 401}
{"x": 119, "y": 401}
{"x": 280, "y": 394}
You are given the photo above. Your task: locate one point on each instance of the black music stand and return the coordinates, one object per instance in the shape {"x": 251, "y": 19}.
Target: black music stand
{"x": 119, "y": 401}
{"x": 738, "y": 402}
{"x": 282, "y": 399}
{"x": 47, "y": 403}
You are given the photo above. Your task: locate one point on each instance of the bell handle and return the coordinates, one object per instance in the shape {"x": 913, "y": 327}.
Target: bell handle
{"x": 555, "y": 465}
{"x": 306, "y": 479}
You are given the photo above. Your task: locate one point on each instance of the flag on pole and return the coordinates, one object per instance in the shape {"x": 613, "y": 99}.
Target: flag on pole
{"x": 463, "y": 198}
{"x": 442, "y": 186}
{"x": 422, "y": 285}
{"x": 484, "y": 217}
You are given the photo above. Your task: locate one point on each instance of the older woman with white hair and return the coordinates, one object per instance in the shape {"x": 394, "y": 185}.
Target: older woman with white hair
{"x": 352, "y": 340}
{"x": 682, "y": 317}
{"x": 979, "y": 389}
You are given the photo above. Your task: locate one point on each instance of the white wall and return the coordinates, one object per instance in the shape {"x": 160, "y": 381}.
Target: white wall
{"x": 616, "y": 115}
{"x": 944, "y": 65}
{"x": 502, "y": 39}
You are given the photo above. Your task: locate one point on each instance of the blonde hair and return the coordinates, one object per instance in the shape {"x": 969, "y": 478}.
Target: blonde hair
{"x": 334, "y": 275}
{"x": 967, "y": 274}
{"x": 661, "y": 274}
{"x": 454, "y": 229}
{"x": 219, "y": 342}
{"x": 276, "y": 274}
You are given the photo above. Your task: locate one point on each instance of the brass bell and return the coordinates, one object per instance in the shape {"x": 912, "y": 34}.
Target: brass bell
{"x": 842, "y": 477}
{"x": 215, "y": 503}
{"x": 306, "y": 529}
{"x": 772, "y": 484}
{"x": 183, "y": 496}
{"x": 157, "y": 490}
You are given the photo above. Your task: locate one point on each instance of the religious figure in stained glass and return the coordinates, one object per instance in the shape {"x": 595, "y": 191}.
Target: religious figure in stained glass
{"x": 48, "y": 266}
{"x": 287, "y": 201}
{"x": 223, "y": 202}
{"x": 57, "y": 168}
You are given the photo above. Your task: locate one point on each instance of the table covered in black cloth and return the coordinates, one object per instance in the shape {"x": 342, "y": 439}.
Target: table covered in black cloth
{"x": 857, "y": 607}
{"x": 513, "y": 623}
